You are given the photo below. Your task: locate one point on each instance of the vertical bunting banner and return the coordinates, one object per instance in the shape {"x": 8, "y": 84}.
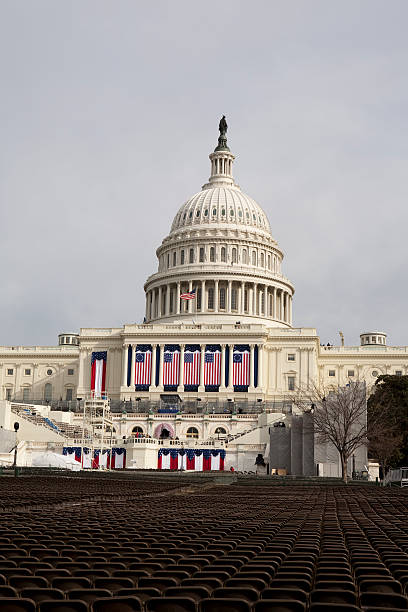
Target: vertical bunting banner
{"x": 198, "y": 466}
{"x": 240, "y": 368}
{"x": 86, "y": 458}
{"x": 171, "y": 368}
{"x": 192, "y": 361}
{"x": 98, "y": 372}
{"x": 212, "y": 369}
{"x": 206, "y": 460}
{"x": 196, "y": 459}
{"x": 143, "y": 366}
{"x": 174, "y": 459}
{"x": 190, "y": 463}
{"x": 95, "y": 460}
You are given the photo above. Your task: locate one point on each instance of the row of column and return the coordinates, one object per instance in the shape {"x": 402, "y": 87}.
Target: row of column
{"x": 251, "y": 298}
{"x": 181, "y": 373}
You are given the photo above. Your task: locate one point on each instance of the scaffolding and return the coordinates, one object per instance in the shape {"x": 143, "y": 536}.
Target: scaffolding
{"x": 97, "y": 426}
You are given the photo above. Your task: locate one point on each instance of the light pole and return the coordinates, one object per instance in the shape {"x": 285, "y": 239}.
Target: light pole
{"x": 16, "y": 428}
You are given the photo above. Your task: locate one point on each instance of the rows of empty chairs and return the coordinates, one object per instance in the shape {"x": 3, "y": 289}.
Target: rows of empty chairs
{"x": 105, "y": 545}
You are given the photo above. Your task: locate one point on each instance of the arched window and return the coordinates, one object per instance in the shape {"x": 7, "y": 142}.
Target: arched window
{"x": 234, "y": 255}
{"x": 201, "y": 254}
{"x": 221, "y": 431}
{"x": 191, "y": 255}
{"x": 192, "y": 432}
{"x": 212, "y": 254}
{"x": 269, "y": 262}
{"x": 211, "y": 298}
{"x": 254, "y": 258}
{"x": 262, "y": 303}
{"x": 168, "y": 260}
{"x": 262, "y": 260}
{"x": 222, "y": 298}
{"x": 174, "y": 258}
{"x": 182, "y": 257}
{"x": 223, "y": 254}
{"x": 244, "y": 257}
{"x": 137, "y": 430}
{"x": 48, "y": 392}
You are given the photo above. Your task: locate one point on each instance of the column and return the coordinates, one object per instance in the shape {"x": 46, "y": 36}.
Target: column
{"x": 190, "y": 302}
{"x": 167, "y": 300}
{"x": 229, "y": 296}
{"x": 222, "y": 385}
{"x": 159, "y": 309}
{"x": 284, "y": 306}
{"x": 252, "y": 366}
{"x": 242, "y": 297}
{"x": 265, "y": 301}
{"x": 203, "y": 308}
{"x": 124, "y": 365}
{"x": 154, "y": 366}
{"x": 239, "y": 299}
{"x": 132, "y": 368}
{"x": 251, "y": 300}
{"x": 153, "y": 304}
{"x": 201, "y": 386}
{"x": 256, "y": 299}
{"x": 290, "y": 310}
{"x": 181, "y": 377}
{"x": 147, "y": 307}
{"x": 178, "y": 298}
{"x": 216, "y": 296}
{"x": 274, "y": 303}
{"x": 260, "y": 366}
{"x": 161, "y": 365}
{"x": 231, "y": 354}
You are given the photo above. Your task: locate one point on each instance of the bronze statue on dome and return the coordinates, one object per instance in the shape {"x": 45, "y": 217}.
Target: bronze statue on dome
{"x": 223, "y": 127}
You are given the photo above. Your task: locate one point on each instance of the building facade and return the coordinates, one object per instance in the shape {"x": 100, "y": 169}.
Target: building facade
{"x": 218, "y": 322}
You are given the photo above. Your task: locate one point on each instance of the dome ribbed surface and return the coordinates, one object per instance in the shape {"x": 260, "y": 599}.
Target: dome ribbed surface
{"x": 221, "y": 205}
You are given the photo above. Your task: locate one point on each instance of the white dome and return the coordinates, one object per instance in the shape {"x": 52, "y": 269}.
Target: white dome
{"x": 225, "y": 205}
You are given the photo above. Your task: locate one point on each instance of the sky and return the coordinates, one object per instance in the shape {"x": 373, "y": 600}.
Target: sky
{"x": 109, "y": 109}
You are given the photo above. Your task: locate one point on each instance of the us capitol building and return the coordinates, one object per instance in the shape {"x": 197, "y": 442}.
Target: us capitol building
{"x": 217, "y": 338}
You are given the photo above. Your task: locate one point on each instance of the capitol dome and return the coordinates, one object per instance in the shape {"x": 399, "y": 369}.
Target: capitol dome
{"x": 220, "y": 250}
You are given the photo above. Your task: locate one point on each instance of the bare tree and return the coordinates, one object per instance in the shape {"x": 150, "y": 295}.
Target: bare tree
{"x": 339, "y": 417}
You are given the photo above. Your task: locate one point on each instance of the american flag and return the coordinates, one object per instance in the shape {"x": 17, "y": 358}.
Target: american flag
{"x": 143, "y": 368}
{"x": 190, "y": 295}
{"x": 212, "y": 369}
{"x": 192, "y": 362}
{"x": 171, "y": 368}
{"x": 98, "y": 372}
{"x": 240, "y": 368}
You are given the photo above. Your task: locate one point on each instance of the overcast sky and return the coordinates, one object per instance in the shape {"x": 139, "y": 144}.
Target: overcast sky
{"x": 109, "y": 110}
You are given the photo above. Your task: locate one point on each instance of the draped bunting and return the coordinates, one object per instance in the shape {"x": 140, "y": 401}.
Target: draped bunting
{"x": 99, "y": 458}
{"x": 98, "y": 372}
{"x": 191, "y": 459}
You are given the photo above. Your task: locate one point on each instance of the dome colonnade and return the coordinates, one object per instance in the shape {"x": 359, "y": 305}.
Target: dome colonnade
{"x": 220, "y": 245}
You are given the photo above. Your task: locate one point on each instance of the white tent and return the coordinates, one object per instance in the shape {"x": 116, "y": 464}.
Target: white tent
{"x": 50, "y": 459}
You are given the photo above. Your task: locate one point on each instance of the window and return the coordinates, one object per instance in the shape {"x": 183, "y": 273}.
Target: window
{"x": 49, "y": 372}
{"x": 48, "y": 392}
{"x": 244, "y": 256}
{"x": 262, "y": 303}
{"x": 70, "y": 372}
{"x": 27, "y": 372}
{"x": 137, "y": 430}
{"x": 168, "y": 260}
{"x": 212, "y": 254}
{"x": 223, "y": 254}
{"x": 69, "y": 395}
{"x": 222, "y": 298}
{"x": 291, "y": 383}
{"x": 350, "y": 373}
{"x": 191, "y": 258}
{"x": 262, "y": 260}
{"x": 234, "y": 255}
{"x": 221, "y": 431}
{"x": 182, "y": 257}
{"x": 174, "y": 258}
{"x": 26, "y": 394}
{"x": 10, "y": 371}
{"x": 374, "y": 373}
{"x": 233, "y": 299}
{"x": 332, "y": 373}
{"x": 211, "y": 298}
{"x": 254, "y": 258}
{"x": 372, "y": 338}
{"x": 398, "y": 372}
{"x": 291, "y": 356}
{"x": 192, "y": 432}
{"x": 269, "y": 262}
{"x": 8, "y": 394}
{"x": 201, "y": 254}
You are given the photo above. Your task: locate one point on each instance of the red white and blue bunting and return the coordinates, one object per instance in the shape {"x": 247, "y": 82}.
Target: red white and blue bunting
{"x": 104, "y": 458}
{"x": 198, "y": 460}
